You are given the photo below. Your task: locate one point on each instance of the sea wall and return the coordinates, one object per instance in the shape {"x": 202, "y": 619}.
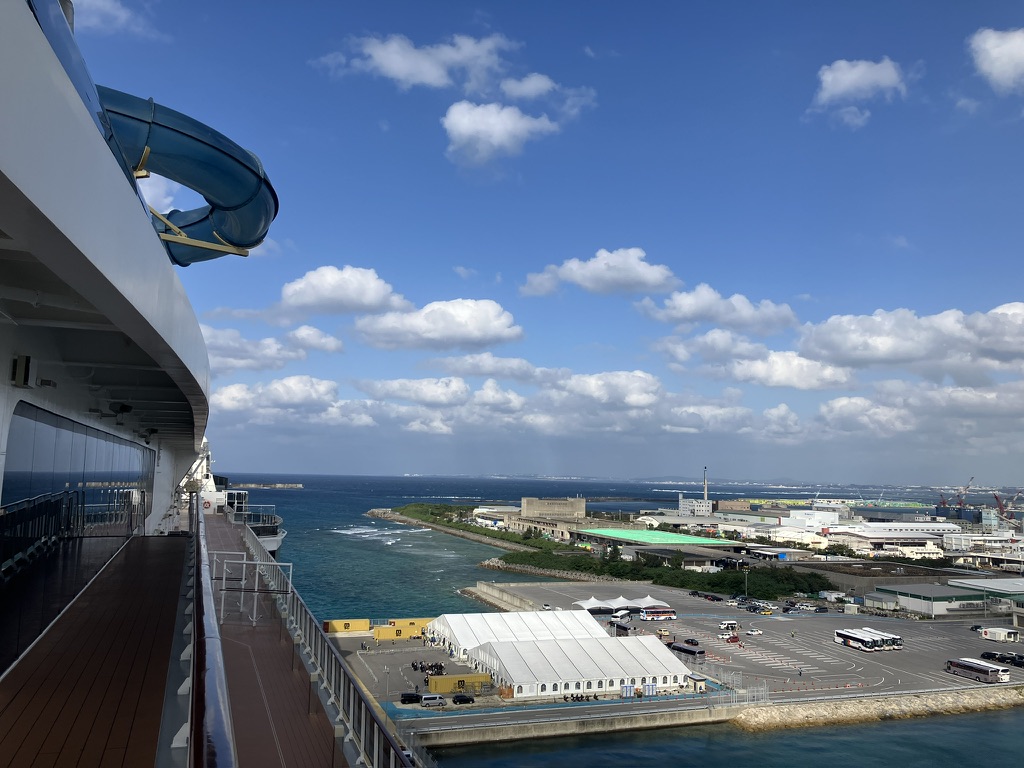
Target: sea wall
{"x": 876, "y": 709}
{"x": 388, "y": 514}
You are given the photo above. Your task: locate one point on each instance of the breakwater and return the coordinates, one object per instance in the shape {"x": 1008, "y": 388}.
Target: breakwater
{"x": 869, "y": 709}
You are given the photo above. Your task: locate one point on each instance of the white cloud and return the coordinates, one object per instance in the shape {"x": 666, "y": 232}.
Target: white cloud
{"x": 442, "y": 325}
{"x": 843, "y": 84}
{"x": 491, "y": 395}
{"x": 788, "y": 369}
{"x": 632, "y": 389}
{"x": 292, "y": 397}
{"x": 331, "y": 290}
{"x": 479, "y": 132}
{"x": 716, "y": 345}
{"x": 705, "y": 305}
{"x": 487, "y": 364}
{"x": 782, "y": 423}
{"x": 728, "y": 419}
{"x": 159, "y": 192}
{"x": 999, "y": 58}
{"x": 473, "y": 61}
{"x": 529, "y": 87}
{"x": 624, "y": 270}
{"x": 230, "y": 351}
{"x": 845, "y": 81}
{"x": 431, "y": 392}
{"x": 966, "y": 348}
{"x": 308, "y": 337}
{"x": 111, "y": 17}
{"x": 859, "y": 414}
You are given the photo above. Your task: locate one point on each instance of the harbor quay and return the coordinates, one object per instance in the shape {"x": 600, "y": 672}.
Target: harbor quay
{"x": 782, "y": 671}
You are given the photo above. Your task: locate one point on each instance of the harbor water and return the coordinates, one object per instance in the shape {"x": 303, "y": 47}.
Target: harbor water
{"x": 347, "y": 565}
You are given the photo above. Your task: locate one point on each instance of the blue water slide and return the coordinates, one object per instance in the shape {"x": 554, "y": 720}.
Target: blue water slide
{"x": 241, "y": 201}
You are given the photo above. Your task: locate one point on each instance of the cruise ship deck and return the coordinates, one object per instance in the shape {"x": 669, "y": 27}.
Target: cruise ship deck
{"x": 91, "y": 690}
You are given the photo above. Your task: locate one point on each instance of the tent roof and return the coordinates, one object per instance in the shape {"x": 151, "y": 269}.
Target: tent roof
{"x": 582, "y": 659}
{"x": 468, "y": 630}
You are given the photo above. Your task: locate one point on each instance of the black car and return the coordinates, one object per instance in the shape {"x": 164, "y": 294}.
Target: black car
{"x": 976, "y": 628}
{"x": 989, "y": 655}
{"x": 691, "y": 641}
{"x": 753, "y": 608}
{"x": 462, "y": 698}
{"x": 411, "y": 698}
{"x": 821, "y": 609}
{"x": 1005, "y": 658}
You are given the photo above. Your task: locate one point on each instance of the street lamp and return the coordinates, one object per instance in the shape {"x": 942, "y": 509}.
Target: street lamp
{"x": 387, "y": 678}
{"x": 746, "y": 574}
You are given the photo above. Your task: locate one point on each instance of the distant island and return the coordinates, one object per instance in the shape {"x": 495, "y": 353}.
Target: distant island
{"x": 264, "y": 486}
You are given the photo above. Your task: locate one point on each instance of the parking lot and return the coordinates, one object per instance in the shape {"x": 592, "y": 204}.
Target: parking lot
{"x": 795, "y": 653}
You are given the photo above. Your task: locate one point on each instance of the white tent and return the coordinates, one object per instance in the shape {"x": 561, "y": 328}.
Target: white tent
{"x": 461, "y": 631}
{"x": 592, "y": 604}
{"x": 601, "y": 666}
{"x": 650, "y": 602}
{"x": 619, "y": 603}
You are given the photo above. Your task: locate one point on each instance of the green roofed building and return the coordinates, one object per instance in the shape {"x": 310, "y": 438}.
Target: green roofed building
{"x": 644, "y": 537}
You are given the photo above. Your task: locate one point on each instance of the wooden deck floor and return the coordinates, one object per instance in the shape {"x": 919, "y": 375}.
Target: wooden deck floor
{"x": 90, "y": 691}
{"x": 277, "y": 717}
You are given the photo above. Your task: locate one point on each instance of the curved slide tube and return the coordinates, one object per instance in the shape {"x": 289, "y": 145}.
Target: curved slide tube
{"x": 242, "y": 202}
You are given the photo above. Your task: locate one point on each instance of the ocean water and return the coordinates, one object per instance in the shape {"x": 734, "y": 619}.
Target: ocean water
{"x": 347, "y": 565}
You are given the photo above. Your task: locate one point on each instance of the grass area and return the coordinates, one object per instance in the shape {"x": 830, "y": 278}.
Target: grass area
{"x": 770, "y": 582}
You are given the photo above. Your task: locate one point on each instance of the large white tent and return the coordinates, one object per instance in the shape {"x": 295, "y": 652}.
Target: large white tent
{"x": 557, "y": 653}
{"x": 461, "y": 631}
{"x": 602, "y": 666}
{"x": 620, "y": 603}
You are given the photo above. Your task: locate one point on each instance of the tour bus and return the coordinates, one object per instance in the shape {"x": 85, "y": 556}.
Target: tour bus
{"x": 890, "y": 641}
{"x": 697, "y": 654}
{"x": 657, "y": 614}
{"x": 855, "y": 638}
{"x": 979, "y": 670}
{"x": 623, "y": 615}
{"x": 621, "y": 630}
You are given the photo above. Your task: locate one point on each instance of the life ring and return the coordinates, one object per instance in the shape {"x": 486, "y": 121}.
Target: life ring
{"x": 206, "y": 505}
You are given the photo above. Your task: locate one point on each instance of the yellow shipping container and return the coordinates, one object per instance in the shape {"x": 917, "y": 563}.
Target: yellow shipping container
{"x": 347, "y": 625}
{"x": 471, "y": 683}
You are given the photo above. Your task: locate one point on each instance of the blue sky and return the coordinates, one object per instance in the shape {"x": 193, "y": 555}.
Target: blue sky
{"x": 780, "y": 240}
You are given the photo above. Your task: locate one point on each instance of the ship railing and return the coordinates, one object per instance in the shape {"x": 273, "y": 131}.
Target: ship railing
{"x": 364, "y": 735}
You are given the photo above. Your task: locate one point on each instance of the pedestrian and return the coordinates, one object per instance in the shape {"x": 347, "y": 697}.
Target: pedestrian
{"x": 801, "y": 673}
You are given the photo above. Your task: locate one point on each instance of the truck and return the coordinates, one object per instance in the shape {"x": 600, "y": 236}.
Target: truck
{"x": 1001, "y": 634}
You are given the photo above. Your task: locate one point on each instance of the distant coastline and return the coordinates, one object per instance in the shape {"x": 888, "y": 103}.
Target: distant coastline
{"x": 267, "y": 486}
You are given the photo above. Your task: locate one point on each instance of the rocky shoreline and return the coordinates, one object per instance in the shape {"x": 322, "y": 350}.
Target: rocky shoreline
{"x": 877, "y": 709}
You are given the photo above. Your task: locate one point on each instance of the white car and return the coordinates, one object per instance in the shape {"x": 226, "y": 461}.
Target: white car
{"x": 724, "y": 635}
{"x": 754, "y": 632}
{"x": 733, "y": 603}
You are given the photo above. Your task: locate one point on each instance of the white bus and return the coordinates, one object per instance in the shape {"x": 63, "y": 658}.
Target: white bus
{"x": 623, "y": 615}
{"x": 855, "y": 638}
{"x": 657, "y": 614}
{"x": 979, "y": 670}
{"x": 890, "y": 641}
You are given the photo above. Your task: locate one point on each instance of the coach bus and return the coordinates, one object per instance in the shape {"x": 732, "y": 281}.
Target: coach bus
{"x": 890, "y": 641}
{"x": 855, "y": 638}
{"x": 697, "y": 654}
{"x": 979, "y": 670}
{"x": 657, "y": 614}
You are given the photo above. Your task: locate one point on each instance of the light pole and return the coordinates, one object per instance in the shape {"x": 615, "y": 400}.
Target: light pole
{"x": 746, "y": 575}
{"x": 387, "y": 683}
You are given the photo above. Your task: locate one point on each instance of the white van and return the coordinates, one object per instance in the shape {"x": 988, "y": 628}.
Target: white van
{"x": 432, "y": 700}
{"x": 728, "y": 625}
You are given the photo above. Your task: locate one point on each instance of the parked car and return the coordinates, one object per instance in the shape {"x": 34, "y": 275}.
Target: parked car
{"x": 732, "y": 602}
{"x": 462, "y": 698}
{"x": 691, "y": 641}
{"x": 733, "y": 639}
{"x": 754, "y": 632}
{"x": 1005, "y": 658}
{"x": 989, "y": 655}
{"x": 411, "y": 698}
{"x": 752, "y": 609}
{"x": 433, "y": 700}
{"x": 545, "y": 607}
{"x": 694, "y": 593}
{"x": 765, "y": 611}
{"x": 821, "y": 609}
{"x": 976, "y": 627}
{"x": 725, "y": 635}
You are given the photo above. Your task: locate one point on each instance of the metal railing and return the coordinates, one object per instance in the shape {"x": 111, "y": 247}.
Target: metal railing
{"x": 347, "y": 703}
